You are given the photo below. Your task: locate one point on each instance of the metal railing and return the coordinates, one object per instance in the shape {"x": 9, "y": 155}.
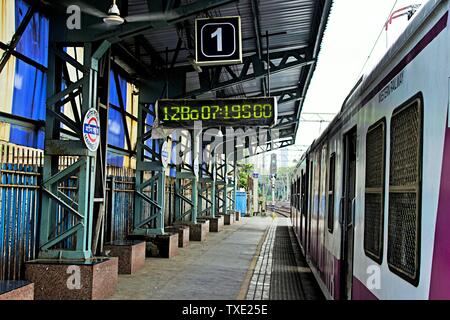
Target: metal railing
{"x": 20, "y": 172}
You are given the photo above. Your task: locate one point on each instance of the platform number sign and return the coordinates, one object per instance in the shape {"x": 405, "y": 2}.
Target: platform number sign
{"x": 218, "y": 41}
{"x": 91, "y": 130}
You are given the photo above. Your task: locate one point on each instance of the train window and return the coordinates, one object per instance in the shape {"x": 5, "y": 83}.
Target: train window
{"x": 374, "y": 193}
{"x": 405, "y": 191}
{"x": 331, "y": 188}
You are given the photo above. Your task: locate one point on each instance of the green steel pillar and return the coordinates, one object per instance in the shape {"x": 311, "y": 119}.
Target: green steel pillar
{"x": 53, "y": 244}
{"x": 225, "y": 186}
{"x": 200, "y": 188}
{"x": 194, "y": 181}
{"x": 161, "y": 197}
{"x": 138, "y": 205}
{"x": 150, "y": 191}
{"x": 213, "y": 190}
{"x": 177, "y": 200}
{"x": 235, "y": 182}
{"x": 194, "y": 200}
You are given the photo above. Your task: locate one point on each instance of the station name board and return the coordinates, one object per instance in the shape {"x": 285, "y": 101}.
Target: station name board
{"x": 252, "y": 112}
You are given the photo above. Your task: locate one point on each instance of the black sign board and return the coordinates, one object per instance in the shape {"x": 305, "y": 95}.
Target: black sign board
{"x": 218, "y": 41}
{"x": 251, "y": 112}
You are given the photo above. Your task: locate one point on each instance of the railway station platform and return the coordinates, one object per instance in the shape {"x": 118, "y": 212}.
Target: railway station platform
{"x": 250, "y": 260}
{"x": 125, "y": 156}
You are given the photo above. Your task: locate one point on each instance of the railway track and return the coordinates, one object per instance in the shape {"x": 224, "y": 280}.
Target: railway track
{"x": 281, "y": 209}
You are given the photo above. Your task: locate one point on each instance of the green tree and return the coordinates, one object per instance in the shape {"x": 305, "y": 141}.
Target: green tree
{"x": 245, "y": 170}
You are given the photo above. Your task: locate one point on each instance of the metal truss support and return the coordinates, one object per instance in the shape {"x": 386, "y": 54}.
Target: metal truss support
{"x": 207, "y": 185}
{"x": 220, "y": 183}
{"x": 271, "y": 146}
{"x": 150, "y": 180}
{"x": 253, "y": 67}
{"x": 204, "y": 191}
{"x": 231, "y": 184}
{"x": 186, "y": 172}
{"x": 10, "y": 49}
{"x": 67, "y": 219}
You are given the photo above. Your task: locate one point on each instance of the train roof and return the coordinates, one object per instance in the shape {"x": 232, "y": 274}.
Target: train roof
{"x": 416, "y": 22}
{"x": 367, "y": 80}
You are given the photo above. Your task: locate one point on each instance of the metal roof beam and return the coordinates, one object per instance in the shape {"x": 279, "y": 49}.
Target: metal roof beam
{"x": 288, "y": 95}
{"x": 282, "y": 120}
{"x": 257, "y": 30}
{"x": 288, "y": 60}
{"x": 155, "y": 57}
{"x": 271, "y": 146}
{"x": 130, "y": 59}
{"x": 285, "y": 95}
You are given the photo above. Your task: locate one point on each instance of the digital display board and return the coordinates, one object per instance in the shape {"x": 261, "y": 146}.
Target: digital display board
{"x": 251, "y": 112}
{"x": 218, "y": 41}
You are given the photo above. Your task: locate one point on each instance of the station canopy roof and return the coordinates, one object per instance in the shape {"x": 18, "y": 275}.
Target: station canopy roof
{"x": 294, "y": 27}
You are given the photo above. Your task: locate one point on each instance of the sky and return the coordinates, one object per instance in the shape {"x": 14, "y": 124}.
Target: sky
{"x": 352, "y": 30}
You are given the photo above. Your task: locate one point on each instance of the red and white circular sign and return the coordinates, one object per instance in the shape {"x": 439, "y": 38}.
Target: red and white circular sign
{"x": 91, "y": 130}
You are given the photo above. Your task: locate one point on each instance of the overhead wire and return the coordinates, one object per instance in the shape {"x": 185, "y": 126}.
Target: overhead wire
{"x": 376, "y": 41}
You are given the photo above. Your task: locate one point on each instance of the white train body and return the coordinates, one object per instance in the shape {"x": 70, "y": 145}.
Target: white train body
{"x": 384, "y": 233}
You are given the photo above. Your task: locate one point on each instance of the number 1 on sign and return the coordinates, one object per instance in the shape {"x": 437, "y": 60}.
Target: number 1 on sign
{"x": 218, "y": 34}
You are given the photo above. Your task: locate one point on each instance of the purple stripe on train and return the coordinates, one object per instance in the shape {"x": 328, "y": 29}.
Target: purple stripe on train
{"x": 360, "y": 291}
{"x": 440, "y": 274}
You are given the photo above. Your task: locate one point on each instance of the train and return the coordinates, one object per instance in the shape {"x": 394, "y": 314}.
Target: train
{"x": 370, "y": 198}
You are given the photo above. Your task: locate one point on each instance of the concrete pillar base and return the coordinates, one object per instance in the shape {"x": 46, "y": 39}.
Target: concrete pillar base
{"x": 94, "y": 279}
{"x": 215, "y": 224}
{"x": 161, "y": 245}
{"x": 197, "y": 231}
{"x": 16, "y": 290}
{"x": 228, "y": 219}
{"x": 183, "y": 234}
{"x": 131, "y": 254}
{"x": 167, "y": 245}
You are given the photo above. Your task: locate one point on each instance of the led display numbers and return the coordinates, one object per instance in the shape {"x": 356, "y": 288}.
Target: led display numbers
{"x": 259, "y": 112}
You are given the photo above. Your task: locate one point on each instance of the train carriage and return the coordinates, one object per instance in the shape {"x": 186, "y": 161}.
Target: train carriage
{"x": 371, "y": 196}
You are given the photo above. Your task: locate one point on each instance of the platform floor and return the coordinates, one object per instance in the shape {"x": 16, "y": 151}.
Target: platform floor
{"x": 292, "y": 278}
{"x": 281, "y": 272}
{"x": 256, "y": 259}
{"x": 216, "y": 269}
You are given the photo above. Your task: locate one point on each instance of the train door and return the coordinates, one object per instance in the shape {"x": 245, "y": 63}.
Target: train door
{"x": 348, "y": 208}
{"x": 305, "y": 204}
{"x": 300, "y": 205}
{"x": 311, "y": 205}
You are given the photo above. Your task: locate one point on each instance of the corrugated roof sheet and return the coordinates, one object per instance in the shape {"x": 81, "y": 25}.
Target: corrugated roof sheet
{"x": 291, "y": 24}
